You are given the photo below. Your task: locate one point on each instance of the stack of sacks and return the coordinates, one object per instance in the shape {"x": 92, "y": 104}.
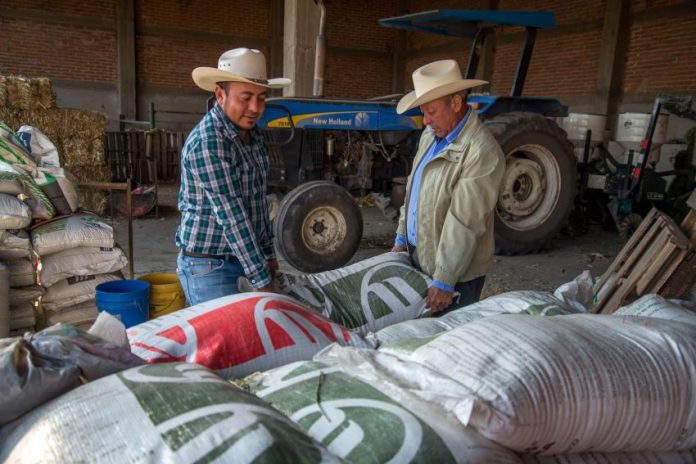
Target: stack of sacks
{"x": 77, "y": 134}
{"x": 15, "y": 253}
{"x": 366, "y": 296}
{"x": 4, "y": 301}
{"x": 76, "y": 253}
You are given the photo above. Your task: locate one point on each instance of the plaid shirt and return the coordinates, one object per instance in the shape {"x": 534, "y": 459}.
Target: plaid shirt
{"x": 222, "y": 198}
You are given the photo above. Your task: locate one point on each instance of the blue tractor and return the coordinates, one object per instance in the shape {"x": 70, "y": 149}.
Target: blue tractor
{"x": 320, "y": 149}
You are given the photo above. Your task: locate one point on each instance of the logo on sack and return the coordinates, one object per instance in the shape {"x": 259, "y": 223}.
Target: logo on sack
{"x": 78, "y": 279}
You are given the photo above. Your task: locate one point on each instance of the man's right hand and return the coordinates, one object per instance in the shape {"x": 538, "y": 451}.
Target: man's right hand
{"x": 398, "y": 249}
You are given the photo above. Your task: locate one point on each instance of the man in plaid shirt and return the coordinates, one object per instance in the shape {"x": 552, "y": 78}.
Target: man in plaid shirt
{"x": 225, "y": 230}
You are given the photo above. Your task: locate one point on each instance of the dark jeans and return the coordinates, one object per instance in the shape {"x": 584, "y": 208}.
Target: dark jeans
{"x": 469, "y": 291}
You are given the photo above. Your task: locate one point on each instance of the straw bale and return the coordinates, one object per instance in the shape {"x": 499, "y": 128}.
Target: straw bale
{"x": 94, "y": 200}
{"x": 65, "y": 122}
{"x": 3, "y": 93}
{"x": 43, "y": 98}
{"x": 79, "y": 151}
{"x": 19, "y": 92}
{"x": 90, "y": 173}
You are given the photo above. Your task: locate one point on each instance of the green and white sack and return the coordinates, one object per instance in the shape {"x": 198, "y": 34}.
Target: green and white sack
{"x": 14, "y": 244}
{"x": 365, "y": 296}
{"x": 361, "y": 418}
{"x": 42, "y": 150}
{"x": 177, "y": 413}
{"x": 14, "y": 214}
{"x": 565, "y": 384}
{"x": 60, "y": 187}
{"x": 74, "y": 290}
{"x": 81, "y": 261}
{"x": 79, "y": 230}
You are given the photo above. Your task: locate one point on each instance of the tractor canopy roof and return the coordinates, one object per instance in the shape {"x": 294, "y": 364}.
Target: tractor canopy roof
{"x": 465, "y": 23}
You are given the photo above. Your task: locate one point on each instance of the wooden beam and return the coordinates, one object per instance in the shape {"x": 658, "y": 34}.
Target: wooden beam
{"x": 613, "y": 16}
{"x": 276, "y": 20}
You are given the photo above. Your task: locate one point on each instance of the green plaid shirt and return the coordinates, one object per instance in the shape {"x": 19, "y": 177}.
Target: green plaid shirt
{"x": 222, "y": 198}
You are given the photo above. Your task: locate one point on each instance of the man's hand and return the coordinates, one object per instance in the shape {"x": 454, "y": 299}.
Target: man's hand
{"x": 398, "y": 249}
{"x": 272, "y": 267}
{"x": 438, "y": 299}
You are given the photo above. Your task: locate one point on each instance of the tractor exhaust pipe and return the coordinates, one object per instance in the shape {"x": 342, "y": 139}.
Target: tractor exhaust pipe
{"x": 320, "y": 53}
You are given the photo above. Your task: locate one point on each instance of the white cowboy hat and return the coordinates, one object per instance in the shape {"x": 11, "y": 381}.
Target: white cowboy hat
{"x": 238, "y": 65}
{"x": 435, "y": 80}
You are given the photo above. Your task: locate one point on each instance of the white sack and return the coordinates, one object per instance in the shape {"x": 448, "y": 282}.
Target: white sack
{"x": 14, "y": 214}
{"x": 80, "y": 315}
{"x": 22, "y": 272}
{"x": 28, "y": 294}
{"x": 667, "y": 457}
{"x": 4, "y": 301}
{"x": 14, "y": 244}
{"x": 79, "y": 230}
{"x": 173, "y": 413}
{"x": 81, "y": 261}
{"x": 74, "y": 290}
{"x": 22, "y": 317}
{"x": 656, "y": 306}
{"x": 42, "y": 150}
{"x": 365, "y": 296}
{"x": 556, "y": 385}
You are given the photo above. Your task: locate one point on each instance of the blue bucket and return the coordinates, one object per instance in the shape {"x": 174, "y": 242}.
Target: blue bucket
{"x": 128, "y": 300}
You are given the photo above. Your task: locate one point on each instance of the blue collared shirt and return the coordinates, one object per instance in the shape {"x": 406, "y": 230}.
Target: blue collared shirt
{"x": 412, "y": 208}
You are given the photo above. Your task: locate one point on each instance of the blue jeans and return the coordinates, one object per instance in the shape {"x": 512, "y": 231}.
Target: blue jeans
{"x": 205, "y": 279}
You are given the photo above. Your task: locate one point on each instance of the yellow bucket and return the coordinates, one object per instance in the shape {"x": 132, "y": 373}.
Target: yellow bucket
{"x": 166, "y": 293}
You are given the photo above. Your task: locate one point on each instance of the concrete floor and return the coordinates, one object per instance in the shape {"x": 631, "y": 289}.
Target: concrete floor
{"x": 154, "y": 250}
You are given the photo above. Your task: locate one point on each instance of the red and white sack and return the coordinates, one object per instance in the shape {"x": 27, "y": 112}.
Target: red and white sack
{"x": 239, "y": 334}
{"x": 78, "y": 230}
{"x": 173, "y": 413}
{"x": 74, "y": 290}
{"x": 14, "y": 244}
{"x": 81, "y": 261}
{"x": 565, "y": 384}
{"x": 366, "y": 296}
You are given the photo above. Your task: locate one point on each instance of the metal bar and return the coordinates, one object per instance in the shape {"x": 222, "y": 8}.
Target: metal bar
{"x": 523, "y": 63}
{"x": 129, "y": 207}
{"x": 475, "y": 52}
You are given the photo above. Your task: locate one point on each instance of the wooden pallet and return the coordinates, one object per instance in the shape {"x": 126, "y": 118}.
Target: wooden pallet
{"x": 645, "y": 264}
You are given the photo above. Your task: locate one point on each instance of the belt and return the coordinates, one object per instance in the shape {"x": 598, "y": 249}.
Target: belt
{"x": 191, "y": 254}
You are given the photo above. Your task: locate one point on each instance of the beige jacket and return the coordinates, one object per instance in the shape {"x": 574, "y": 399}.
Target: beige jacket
{"x": 456, "y": 204}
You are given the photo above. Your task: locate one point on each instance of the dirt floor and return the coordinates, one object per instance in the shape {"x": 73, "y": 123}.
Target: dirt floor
{"x": 154, "y": 250}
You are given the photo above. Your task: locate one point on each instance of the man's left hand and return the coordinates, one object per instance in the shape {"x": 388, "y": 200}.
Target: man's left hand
{"x": 438, "y": 299}
{"x": 272, "y": 267}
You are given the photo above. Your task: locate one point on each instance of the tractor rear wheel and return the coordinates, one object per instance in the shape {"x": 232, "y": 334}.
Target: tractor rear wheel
{"x": 540, "y": 182}
{"x": 318, "y": 226}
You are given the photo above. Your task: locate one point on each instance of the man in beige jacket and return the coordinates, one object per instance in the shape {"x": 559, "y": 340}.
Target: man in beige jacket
{"x": 446, "y": 222}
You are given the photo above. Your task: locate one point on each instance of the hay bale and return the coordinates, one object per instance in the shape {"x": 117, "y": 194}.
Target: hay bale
{"x": 78, "y": 151}
{"x": 94, "y": 200}
{"x": 44, "y": 97}
{"x": 59, "y": 123}
{"x": 19, "y": 92}
{"x": 90, "y": 173}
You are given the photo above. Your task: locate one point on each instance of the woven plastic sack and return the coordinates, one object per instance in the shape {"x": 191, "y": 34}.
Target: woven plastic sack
{"x": 365, "y": 296}
{"x": 81, "y": 315}
{"x": 60, "y": 187}
{"x": 79, "y": 230}
{"x": 12, "y": 149}
{"x": 565, "y": 384}
{"x": 28, "y": 294}
{"x": 42, "y": 366}
{"x": 14, "y": 244}
{"x": 239, "y": 334}
{"x": 81, "y": 261}
{"x": 14, "y": 214}
{"x": 647, "y": 457}
{"x": 74, "y": 290}
{"x": 41, "y": 207}
{"x": 175, "y": 413}
{"x": 656, "y": 306}
{"x": 42, "y": 150}
{"x": 22, "y": 272}
{"x": 22, "y": 318}
{"x": 4, "y": 301}
{"x": 360, "y": 418}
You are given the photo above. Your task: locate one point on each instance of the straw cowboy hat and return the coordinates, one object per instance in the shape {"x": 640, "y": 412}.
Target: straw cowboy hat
{"x": 238, "y": 65}
{"x": 433, "y": 81}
